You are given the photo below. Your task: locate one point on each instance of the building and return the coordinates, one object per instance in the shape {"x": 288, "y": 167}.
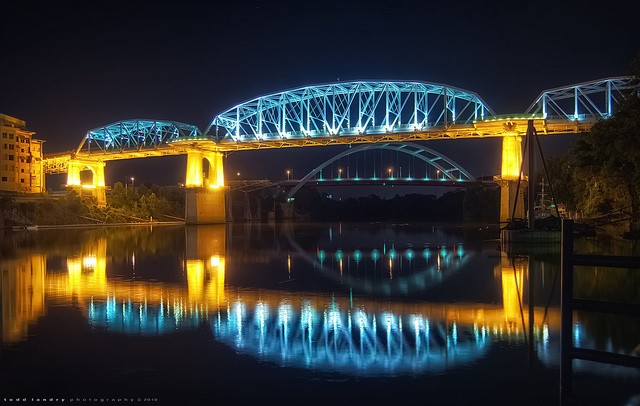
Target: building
{"x": 21, "y": 167}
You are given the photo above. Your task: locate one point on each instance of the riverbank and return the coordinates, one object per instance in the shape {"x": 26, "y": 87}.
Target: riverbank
{"x": 94, "y": 225}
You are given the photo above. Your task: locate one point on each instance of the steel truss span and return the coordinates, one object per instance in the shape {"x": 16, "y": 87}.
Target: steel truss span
{"x": 449, "y": 170}
{"x": 350, "y": 341}
{"x": 586, "y": 101}
{"x": 348, "y": 109}
{"x": 136, "y": 134}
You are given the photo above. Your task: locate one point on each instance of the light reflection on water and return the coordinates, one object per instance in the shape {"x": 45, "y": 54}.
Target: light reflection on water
{"x": 360, "y": 301}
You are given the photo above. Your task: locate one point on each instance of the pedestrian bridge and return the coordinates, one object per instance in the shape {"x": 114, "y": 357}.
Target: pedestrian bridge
{"x": 343, "y": 113}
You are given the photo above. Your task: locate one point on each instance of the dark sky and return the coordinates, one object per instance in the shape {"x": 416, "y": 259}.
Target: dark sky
{"x": 70, "y": 66}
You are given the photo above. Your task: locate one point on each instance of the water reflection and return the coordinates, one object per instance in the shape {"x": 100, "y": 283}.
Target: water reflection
{"x": 338, "y": 330}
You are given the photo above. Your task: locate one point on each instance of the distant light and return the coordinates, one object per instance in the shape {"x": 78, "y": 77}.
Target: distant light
{"x": 357, "y": 255}
{"x": 375, "y": 255}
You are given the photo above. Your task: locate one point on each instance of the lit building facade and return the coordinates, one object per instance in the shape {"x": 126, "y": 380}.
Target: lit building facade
{"x": 21, "y": 166}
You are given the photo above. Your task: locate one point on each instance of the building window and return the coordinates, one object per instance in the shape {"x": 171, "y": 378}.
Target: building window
{"x": 22, "y": 170}
{"x": 10, "y": 136}
{"x": 4, "y": 178}
{"x": 4, "y": 135}
{"x": 21, "y": 180}
{"x": 10, "y": 157}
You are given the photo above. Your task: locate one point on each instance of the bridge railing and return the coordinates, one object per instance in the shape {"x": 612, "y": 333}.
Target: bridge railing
{"x": 569, "y": 352}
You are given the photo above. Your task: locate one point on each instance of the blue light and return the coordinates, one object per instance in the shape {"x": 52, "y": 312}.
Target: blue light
{"x": 392, "y": 253}
{"x": 322, "y": 256}
{"x": 409, "y": 254}
{"x": 357, "y": 255}
{"x": 426, "y": 253}
{"x": 375, "y": 255}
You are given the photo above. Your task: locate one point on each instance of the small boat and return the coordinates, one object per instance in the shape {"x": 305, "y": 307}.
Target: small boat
{"x": 544, "y": 206}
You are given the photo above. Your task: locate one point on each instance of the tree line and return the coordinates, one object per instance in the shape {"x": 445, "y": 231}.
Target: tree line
{"x": 124, "y": 205}
{"x": 601, "y": 172}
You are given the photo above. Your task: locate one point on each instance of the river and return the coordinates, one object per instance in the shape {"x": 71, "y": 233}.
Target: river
{"x": 374, "y": 313}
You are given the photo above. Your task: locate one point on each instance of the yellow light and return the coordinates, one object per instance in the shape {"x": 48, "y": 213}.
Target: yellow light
{"x": 89, "y": 262}
{"x": 511, "y": 157}
{"x": 215, "y": 261}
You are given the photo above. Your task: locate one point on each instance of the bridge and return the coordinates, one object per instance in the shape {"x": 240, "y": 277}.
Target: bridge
{"x": 350, "y": 334}
{"x": 344, "y": 113}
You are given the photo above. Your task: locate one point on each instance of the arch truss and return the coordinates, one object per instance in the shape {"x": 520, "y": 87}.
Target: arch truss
{"x": 584, "y": 101}
{"x": 135, "y": 135}
{"x": 349, "y": 108}
{"x": 448, "y": 169}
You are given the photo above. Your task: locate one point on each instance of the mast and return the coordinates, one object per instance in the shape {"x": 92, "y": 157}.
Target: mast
{"x": 531, "y": 132}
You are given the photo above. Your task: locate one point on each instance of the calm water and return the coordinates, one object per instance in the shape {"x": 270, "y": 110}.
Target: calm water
{"x": 302, "y": 314}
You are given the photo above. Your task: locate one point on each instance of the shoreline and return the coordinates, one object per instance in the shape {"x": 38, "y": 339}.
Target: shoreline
{"x": 54, "y": 226}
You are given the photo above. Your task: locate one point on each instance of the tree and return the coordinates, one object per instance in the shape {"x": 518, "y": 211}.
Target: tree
{"x": 607, "y": 161}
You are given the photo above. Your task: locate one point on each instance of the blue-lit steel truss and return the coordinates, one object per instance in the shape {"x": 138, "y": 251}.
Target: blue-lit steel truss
{"x": 349, "y": 108}
{"x": 449, "y": 170}
{"x": 584, "y": 101}
{"x": 350, "y": 341}
{"x": 136, "y": 135}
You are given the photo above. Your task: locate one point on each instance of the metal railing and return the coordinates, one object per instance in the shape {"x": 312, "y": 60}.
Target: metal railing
{"x": 568, "y": 352}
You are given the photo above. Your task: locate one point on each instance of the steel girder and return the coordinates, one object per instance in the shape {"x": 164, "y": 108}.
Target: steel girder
{"x": 347, "y": 109}
{"x": 447, "y": 167}
{"x": 586, "y": 101}
{"x": 136, "y": 134}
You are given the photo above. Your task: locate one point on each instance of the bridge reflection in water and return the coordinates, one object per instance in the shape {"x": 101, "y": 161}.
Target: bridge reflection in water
{"x": 339, "y": 332}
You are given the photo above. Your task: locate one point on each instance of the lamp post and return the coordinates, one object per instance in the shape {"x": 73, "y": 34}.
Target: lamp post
{"x": 340, "y": 173}
{"x": 288, "y": 174}
{"x": 390, "y": 170}
{"x": 133, "y": 180}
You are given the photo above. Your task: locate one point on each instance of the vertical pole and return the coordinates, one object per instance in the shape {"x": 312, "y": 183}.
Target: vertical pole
{"x": 531, "y": 132}
{"x": 566, "y": 297}
{"x": 575, "y": 103}
{"x": 532, "y": 276}
{"x": 260, "y": 118}
{"x": 415, "y": 108}
{"x": 445, "y": 106}
{"x": 609, "y": 110}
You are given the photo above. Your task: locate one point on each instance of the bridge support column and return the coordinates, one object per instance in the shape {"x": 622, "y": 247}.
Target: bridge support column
{"x": 97, "y": 186}
{"x": 205, "y": 190}
{"x": 205, "y": 265}
{"x": 510, "y": 194}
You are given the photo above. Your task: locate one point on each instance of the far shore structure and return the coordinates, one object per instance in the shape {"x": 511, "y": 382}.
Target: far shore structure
{"x": 21, "y": 165}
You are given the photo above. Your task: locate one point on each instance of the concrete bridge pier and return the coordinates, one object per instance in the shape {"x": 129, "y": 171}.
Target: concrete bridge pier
{"x": 205, "y": 189}
{"x": 97, "y": 186}
{"x": 205, "y": 262}
{"x": 510, "y": 194}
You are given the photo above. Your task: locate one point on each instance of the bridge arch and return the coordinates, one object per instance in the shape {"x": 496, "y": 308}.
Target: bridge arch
{"x": 348, "y": 108}
{"x": 447, "y": 167}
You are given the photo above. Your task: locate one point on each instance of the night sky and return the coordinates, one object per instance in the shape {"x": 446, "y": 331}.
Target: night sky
{"x": 70, "y": 66}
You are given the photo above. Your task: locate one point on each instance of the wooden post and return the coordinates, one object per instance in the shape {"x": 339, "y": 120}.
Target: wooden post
{"x": 566, "y": 297}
